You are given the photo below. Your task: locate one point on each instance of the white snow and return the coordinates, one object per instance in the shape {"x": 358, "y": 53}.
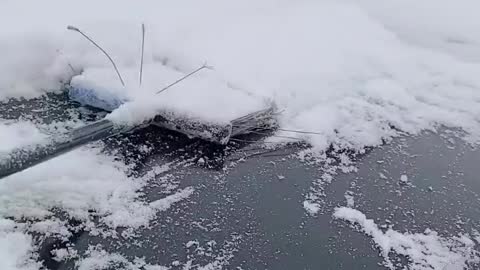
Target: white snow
{"x": 354, "y": 72}
{"x": 350, "y": 199}
{"x": 347, "y": 70}
{"x": 311, "y": 208}
{"x": 77, "y": 182}
{"x": 425, "y": 251}
{"x": 192, "y": 97}
{"x": 99, "y": 259}
{"x": 17, "y": 134}
{"x": 16, "y": 249}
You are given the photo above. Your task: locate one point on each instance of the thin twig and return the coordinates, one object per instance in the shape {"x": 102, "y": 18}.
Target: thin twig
{"x": 301, "y": 131}
{"x": 100, "y": 48}
{"x": 298, "y": 131}
{"x": 278, "y": 136}
{"x": 204, "y": 66}
{"x": 261, "y": 141}
{"x": 143, "y": 48}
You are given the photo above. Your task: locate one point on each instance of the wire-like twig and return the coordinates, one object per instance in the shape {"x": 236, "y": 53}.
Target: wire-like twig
{"x": 301, "y": 131}
{"x": 278, "y": 136}
{"x": 261, "y": 141}
{"x": 143, "y": 48}
{"x": 100, "y": 48}
{"x": 204, "y": 66}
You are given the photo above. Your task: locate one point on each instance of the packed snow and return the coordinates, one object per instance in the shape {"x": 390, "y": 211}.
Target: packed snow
{"x": 192, "y": 98}
{"x": 353, "y": 72}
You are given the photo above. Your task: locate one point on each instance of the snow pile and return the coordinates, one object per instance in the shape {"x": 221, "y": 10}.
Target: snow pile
{"x": 347, "y": 70}
{"x": 354, "y": 72}
{"x": 447, "y": 26}
{"x": 192, "y": 98}
{"x": 424, "y": 251}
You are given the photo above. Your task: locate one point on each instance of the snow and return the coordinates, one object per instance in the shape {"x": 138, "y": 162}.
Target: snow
{"x": 311, "y": 208}
{"x": 347, "y": 70}
{"x": 192, "y": 98}
{"x": 16, "y": 251}
{"x": 354, "y": 72}
{"x": 424, "y": 251}
{"x": 18, "y": 134}
{"x": 99, "y": 259}
{"x": 78, "y": 182}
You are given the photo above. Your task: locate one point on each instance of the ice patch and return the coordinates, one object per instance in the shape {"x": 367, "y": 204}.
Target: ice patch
{"x": 425, "y": 251}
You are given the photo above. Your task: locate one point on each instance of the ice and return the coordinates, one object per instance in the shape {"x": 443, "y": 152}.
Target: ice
{"x": 424, "y": 251}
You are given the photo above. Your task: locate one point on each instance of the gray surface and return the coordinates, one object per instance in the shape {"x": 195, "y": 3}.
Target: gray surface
{"x": 276, "y": 233}
{"x": 259, "y": 219}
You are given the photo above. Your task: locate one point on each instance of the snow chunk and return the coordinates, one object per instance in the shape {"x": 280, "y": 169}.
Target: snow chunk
{"x": 425, "y": 251}
{"x": 349, "y": 198}
{"x": 403, "y": 178}
{"x": 167, "y": 202}
{"x": 311, "y": 208}
{"x": 192, "y": 98}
